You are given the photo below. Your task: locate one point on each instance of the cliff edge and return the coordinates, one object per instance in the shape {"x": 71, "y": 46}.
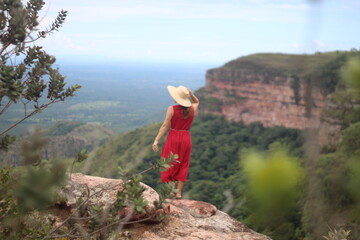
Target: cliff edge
{"x": 275, "y": 89}
{"x": 184, "y": 219}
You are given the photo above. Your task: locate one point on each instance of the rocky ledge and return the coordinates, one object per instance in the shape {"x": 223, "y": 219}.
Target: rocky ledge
{"x": 184, "y": 219}
{"x": 194, "y": 220}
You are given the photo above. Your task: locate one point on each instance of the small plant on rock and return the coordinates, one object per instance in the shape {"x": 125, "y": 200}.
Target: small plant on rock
{"x": 339, "y": 234}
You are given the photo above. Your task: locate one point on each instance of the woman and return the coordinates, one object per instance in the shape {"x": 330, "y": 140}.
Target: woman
{"x": 179, "y": 118}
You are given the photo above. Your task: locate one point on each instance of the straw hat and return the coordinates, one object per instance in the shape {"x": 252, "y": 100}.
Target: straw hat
{"x": 180, "y": 95}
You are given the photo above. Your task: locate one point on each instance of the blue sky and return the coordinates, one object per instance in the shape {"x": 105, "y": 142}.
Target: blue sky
{"x": 199, "y": 31}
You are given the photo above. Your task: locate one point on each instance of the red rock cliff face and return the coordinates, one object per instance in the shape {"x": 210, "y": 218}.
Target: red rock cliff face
{"x": 268, "y": 98}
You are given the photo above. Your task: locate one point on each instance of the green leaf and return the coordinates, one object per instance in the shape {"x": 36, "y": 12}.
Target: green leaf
{"x": 82, "y": 155}
{"x": 6, "y": 141}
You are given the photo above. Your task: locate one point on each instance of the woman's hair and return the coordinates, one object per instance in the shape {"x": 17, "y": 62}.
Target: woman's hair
{"x": 185, "y": 111}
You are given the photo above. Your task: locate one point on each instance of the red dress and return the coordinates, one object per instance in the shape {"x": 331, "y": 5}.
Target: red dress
{"x": 178, "y": 141}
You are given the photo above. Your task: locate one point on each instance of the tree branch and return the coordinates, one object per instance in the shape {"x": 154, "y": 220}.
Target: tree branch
{"x": 42, "y": 107}
{"x": 4, "y": 47}
{"x": 9, "y": 57}
{"x": 121, "y": 221}
{"x": 146, "y": 170}
{"x": 6, "y": 107}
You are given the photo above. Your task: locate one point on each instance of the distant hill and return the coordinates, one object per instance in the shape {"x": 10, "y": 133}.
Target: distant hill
{"x": 284, "y": 64}
{"x": 64, "y": 140}
{"x": 126, "y": 150}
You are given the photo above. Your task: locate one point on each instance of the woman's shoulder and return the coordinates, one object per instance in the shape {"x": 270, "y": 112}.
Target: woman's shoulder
{"x": 174, "y": 108}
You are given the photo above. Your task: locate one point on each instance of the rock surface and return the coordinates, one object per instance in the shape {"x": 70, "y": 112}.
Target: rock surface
{"x": 195, "y": 220}
{"x": 107, "y": 189}
{"x": 184, "y": 219}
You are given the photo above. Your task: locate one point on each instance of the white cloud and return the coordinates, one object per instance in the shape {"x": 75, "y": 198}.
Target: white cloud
{"x": 195, "y": 42}
{"x": 319, "y": 44}
{"x": 62, "y": 43}
{"x": 283, "y": 4}
{"x": 312, "y": 46}
{"x": 295, "y": 6}
{"x": 296, "y": 45}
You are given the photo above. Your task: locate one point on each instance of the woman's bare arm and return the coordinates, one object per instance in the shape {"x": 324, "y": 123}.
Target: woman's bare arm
{"x": 195, "y": 101}
{"x": 164, "y": 127}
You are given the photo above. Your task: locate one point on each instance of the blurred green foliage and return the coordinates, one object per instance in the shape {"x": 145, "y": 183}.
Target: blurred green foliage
{"x": 6, "y": 141}
{"x": 333, "y": 195}
{"x": 351, "y": 72}
{"x": 273, "y": 177}
{"x": 27, "y": 191}
{"x": 274, "y": 187}
{"x": 353, "y": 184}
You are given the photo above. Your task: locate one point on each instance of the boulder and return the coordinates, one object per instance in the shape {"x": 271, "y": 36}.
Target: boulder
{"x": 184, "y": 219}
{"x": 103, "y": 190}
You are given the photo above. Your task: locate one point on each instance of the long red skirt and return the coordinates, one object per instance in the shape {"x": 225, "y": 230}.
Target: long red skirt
{"x": 177, "y": 142}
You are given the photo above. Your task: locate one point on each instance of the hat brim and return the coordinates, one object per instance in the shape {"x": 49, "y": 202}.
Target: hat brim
{"x": 179, "y": 100}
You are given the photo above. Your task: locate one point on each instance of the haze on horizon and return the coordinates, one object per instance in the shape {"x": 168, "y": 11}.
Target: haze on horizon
{"x": 202, "y": 31}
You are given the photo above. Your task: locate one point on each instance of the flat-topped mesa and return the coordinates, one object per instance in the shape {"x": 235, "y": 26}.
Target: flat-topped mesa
{"x": 249, "y": 91}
